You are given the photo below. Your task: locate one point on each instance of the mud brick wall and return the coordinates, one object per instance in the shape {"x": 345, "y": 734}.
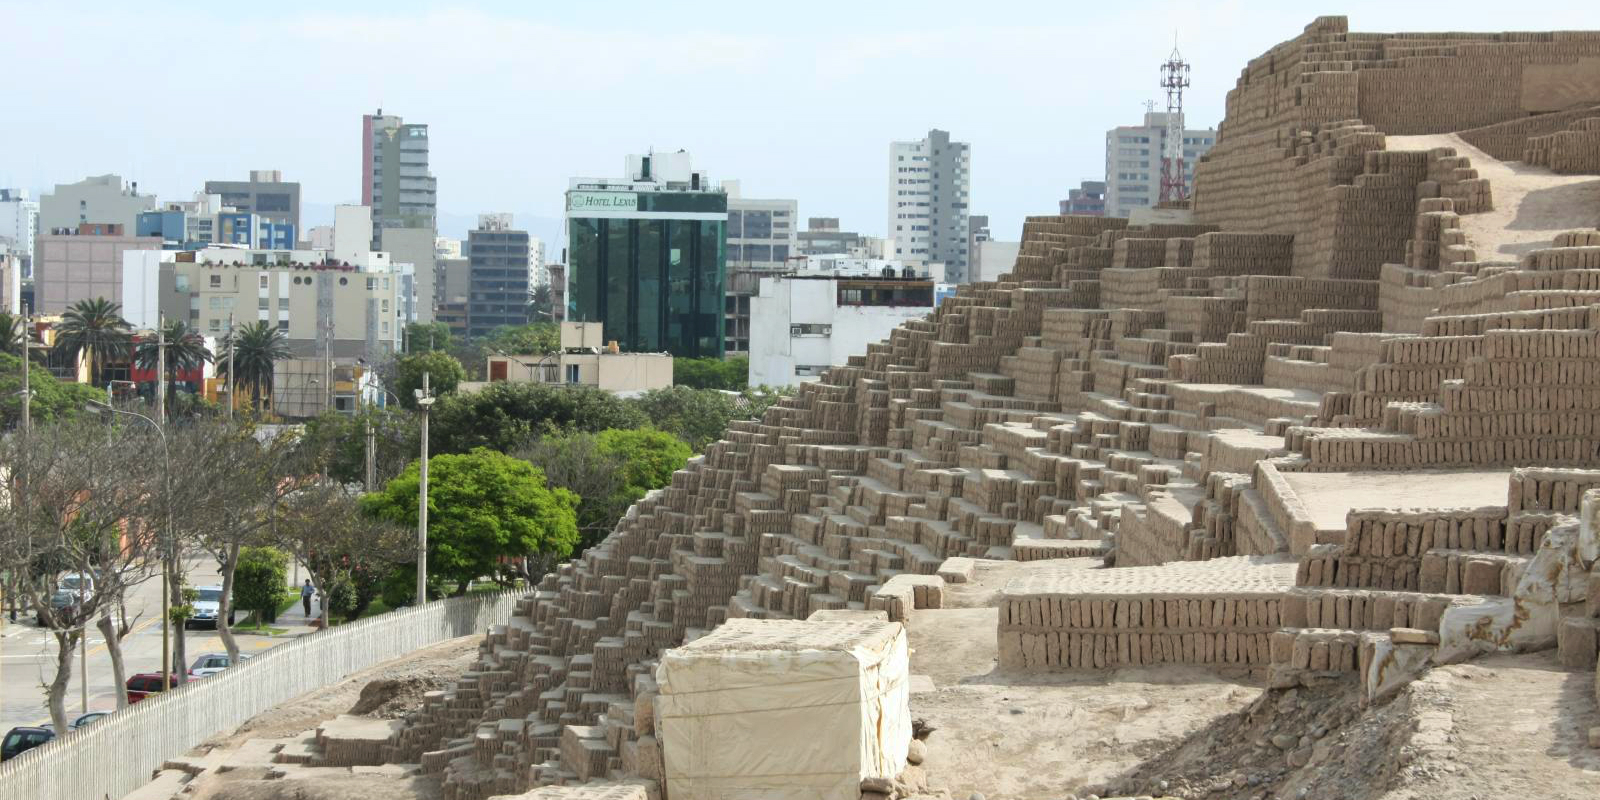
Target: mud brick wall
{"x": 1432, "y": 93}
{"x": 1508, "y": 141}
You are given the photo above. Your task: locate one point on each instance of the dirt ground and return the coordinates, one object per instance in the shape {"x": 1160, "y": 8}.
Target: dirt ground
{"x": 1039, "y": 737}
{"x": 389, "y": 690}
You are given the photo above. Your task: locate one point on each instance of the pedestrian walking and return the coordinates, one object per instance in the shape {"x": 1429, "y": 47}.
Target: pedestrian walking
{"x": 305, "y": 596}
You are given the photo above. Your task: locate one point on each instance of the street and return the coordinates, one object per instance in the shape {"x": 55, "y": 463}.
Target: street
{"x": 28, "y": 652}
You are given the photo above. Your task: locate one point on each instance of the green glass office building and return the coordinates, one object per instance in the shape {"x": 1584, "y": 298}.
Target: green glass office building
{"x": 650, "y": 265}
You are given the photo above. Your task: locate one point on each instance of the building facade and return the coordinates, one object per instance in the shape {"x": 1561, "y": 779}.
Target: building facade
{"x": 395, "y": 181}
{"x": 929, "y": 191}
{"x": 819, "y": 317}
{"x": 105, "y": 199}
{"x": 266, "y": 194}
{"x": 83, "y": 263}
{"x": 584, "y": 360}
{"x": 498, "y": 280}
{"x": 1088, "y": 200}
{"x": 646, "y": 256}
{"x": 1133, "y": 162}
{"x": 762, "y": 235}
{"x": 19, "y": 226}
{"x": 991, "y": 259}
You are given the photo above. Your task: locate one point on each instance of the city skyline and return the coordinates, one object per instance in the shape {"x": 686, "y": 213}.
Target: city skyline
{"x": 777, "y": 88}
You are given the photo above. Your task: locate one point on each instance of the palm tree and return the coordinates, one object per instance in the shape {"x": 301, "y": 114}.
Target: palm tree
{"x": 11, "y": 331}
{"x": 257, "y": 347}
{"x": 186, "y": 350}
{"x": 95, "y": 326}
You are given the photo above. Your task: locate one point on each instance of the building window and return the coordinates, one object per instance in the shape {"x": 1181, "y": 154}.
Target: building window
{"x": 572, "y": 373}
{"x": 216, "y": 281}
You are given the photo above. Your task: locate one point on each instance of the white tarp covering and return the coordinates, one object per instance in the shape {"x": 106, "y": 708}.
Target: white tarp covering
{"x": 784, "y": 709}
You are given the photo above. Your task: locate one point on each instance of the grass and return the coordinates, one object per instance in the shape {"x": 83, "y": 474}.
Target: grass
{"x": 266, "y": 630}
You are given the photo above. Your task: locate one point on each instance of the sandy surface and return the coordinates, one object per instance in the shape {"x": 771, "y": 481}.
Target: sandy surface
{"x": 1329, "y": 496}
{"x": 1038, "y": 737}
{"x": 1531, "y": 204}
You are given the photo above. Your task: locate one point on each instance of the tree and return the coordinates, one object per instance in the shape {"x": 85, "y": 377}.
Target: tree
{"x": 504, "y": 415}
{"x": 96, "y": 328}
{"x": 257, "y": 348}
{"x": 541, "y": 303}
{"x": 335, "y": 444}
{"x": 444, "y": 375}
{"x": 533, "y": 338}
{"x": 260, "y": 582}
{"x": 729, "y": 374}
{"x": 186, "y": 350}
{"x": 701, "y": 416}
{"x": 12, "y": 330}
{"x": 486, "y": 511}
{"x": 347, "y": 552}
{"x": 78, "y": 499}
{"x": 52, "y": 399}
{"x": 609, "y": 471}
{"x": 426, "y": 337}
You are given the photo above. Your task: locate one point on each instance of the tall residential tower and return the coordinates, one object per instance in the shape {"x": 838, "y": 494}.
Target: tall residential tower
{"x": 929, "y": 190}
{"x": 395, "y": 180}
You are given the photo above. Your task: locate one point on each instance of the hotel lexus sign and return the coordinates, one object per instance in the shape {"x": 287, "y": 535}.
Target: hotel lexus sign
{"x": 602, "y": 204}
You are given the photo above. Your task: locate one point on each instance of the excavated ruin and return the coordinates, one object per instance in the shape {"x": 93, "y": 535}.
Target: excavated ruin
{"x": 1337, "y": 420}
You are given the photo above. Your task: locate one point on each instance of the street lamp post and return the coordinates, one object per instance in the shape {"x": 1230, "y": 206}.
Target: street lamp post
{"x": 166, "y": 551}
{"x": 424, "y": 403}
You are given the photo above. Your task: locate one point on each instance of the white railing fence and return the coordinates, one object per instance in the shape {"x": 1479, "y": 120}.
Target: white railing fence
{"x": 119, "y": 753}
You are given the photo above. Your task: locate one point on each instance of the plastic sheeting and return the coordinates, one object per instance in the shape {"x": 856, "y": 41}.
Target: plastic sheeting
{"x": 784, "y": 709}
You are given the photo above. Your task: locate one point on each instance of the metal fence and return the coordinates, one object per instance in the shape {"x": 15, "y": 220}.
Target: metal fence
{"x": 119, "y": 753}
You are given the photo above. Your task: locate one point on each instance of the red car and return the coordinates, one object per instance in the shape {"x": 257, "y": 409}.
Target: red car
{"x": 145, "y": 684}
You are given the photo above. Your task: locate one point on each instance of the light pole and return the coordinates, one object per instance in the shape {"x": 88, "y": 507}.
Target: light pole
{"x": 424, "y": 402}
{"x": 166, "y": 551}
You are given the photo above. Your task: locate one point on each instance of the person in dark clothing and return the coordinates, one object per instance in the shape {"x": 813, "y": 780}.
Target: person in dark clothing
{"x": 305, "y": 596}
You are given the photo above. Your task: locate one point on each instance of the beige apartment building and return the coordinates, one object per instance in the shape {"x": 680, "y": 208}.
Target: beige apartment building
{"x": 82, "y": 263}
{"x": 584, "y": 361}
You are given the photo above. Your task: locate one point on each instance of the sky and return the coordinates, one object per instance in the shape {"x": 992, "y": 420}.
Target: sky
{"x": 795, "y": 100}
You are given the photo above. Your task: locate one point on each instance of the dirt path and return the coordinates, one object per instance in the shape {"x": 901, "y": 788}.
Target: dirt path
{"x": 1505, "y": 726}
{"x": 1531, "y": 204}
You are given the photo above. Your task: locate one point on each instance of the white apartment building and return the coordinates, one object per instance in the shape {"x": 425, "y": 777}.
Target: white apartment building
{"x": 19, "y": 224}
{"x": 1133, "y": 162}
{"x": 98, "y": 199}
{"x": 929, "y": 194}
{"x": 806, "y": 321}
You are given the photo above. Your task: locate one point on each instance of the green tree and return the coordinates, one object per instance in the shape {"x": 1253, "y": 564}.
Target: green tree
{"x": 186, "y": 350}
{"x": 534, "y": 338}
{"x": 94, "y": 328}
{"x": 52, "y": 399}
{"x": 701, "y": 416}
{"x": 257, "y": 348}
{"x": 12, "y": 328}
{"x": 347, "y": 551}
{"x": 504, "y": 415}
{"x": 730, "y": 374}
{"x": 486, "y": 511}
{"x": 541, "y": 303}
{"x": 609, "y": 471}
{"x": 426, "y": 337}
{"x": 260, "y": 582}
{"x": 444, "y": 375}
{"x": 336, "y": 443}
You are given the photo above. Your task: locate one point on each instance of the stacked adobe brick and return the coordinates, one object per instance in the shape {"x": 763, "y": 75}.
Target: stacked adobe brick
{"x": 1105, "y": 398}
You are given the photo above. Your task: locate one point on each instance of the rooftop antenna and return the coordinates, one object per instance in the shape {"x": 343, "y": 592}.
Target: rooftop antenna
{"x": 1174, "y": 79}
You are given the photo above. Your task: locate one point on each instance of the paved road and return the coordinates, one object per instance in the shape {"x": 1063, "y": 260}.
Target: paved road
{"x": 28, "y": 653}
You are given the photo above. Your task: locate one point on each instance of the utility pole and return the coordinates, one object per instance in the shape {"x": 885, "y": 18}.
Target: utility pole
{"x": 424, "y": 402}
{"x": 327, "y": 358}
{"x": 166, "y": 560}
{"x": 231, "y": 382}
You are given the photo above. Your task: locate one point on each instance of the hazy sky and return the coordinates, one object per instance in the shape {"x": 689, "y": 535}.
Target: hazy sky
{"x": 796, "y": 100}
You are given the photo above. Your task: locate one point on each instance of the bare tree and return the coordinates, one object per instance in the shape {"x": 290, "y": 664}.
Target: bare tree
{"x": 89, "y": 488}
{"x": 232, "y": 479}
{"x": 322, "y": 525}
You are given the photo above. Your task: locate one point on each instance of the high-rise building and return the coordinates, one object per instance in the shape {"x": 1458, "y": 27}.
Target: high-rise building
{"x": 83, "y": 263}
{"x": 498, "y": 281}
{"x": 102, "y": 199}
{"x": 1088, "y": 200}
{"x": 266, "y": 194}
{"x": 929, "y": 191}
{"x": 395, "y": 181}
{"x": 646, "y": 256}
{"x": 19, "y": 224}
{"x": 1133, "y": 162}
{"x": 761, "y": 238}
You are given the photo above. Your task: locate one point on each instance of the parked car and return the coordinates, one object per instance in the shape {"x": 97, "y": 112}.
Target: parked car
{"x": 145, "y": 684}
{"x": 92, "y": 716}
{"x": 60, "y": 599}
{"x": 21, "y": 739}
{"x": 207, "y": 606}
{"x": 211, "y": 664}
{"x": 77, "y": 582}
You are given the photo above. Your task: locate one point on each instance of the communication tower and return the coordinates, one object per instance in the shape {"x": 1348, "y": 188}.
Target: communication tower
{"x": 1174, "y": 79}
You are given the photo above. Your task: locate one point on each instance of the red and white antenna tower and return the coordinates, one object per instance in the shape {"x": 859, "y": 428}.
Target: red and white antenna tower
{"x": 1174, "y": 78}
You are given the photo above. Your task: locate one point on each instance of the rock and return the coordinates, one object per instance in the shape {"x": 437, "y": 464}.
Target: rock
{"x": 1594, "y": 737}
{"x": 976, "y": 796}
{"x": 917, "y": 752}
{"x": 1285, "y": 741}
{"x": 1300, "y": 757}
{"x": 875, "y": 784}
{"x": 874, "y": 796}
{"x": 1413, "y": 636}
{"x": 920, "y": 729}
{"x": 1016, "y": 711}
